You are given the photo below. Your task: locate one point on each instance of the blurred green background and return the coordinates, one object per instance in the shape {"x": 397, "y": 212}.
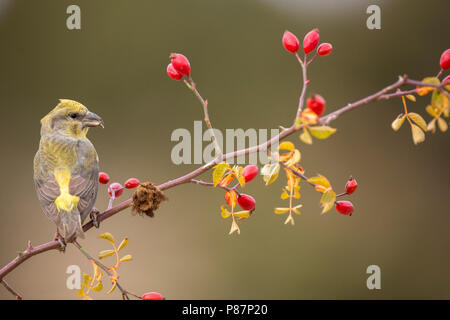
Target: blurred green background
{"x": 116, "y": 64}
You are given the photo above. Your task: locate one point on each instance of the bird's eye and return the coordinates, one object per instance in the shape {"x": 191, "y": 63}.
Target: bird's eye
{"x": 73, "y": 115}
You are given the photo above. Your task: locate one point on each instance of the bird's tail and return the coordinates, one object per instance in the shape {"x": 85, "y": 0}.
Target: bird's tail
{"x": 70, "y": 225}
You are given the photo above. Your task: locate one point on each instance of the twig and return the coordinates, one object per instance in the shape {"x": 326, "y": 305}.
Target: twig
{"x": 301, "y": 101}
{"x": 193, "y": 87}
{"x": 104, "y": 268}
{"x": 10, "y": 289}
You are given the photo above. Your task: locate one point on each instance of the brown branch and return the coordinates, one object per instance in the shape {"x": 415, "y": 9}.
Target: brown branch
{"x": 380, "y": 95}
{"x": 10, "y": 289}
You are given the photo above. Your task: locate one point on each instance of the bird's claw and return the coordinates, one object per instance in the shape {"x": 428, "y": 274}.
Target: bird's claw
{"x": 62, "y": 242}
{"x": 93, "y": 214}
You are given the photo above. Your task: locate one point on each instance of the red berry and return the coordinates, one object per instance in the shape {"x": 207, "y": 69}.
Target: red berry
{"x": 181, "y": 63}
{"x": 445, "y": 59}
{"x": 152, "y": 296}
{"x": 250, "y": 172}
{"x": 324, "y": 49}
{"x": 230, "y": 197}
{"x": 246, "y": 202}
{"x": 117, "y": 188}
{"x": 131, "y": 183}
{"x": 344, "y": 207}
{"x": 174, "y": 74}
{"x": 290, "y": 42}
{"x": 351, "y": 186}
{"x": 316, "y": 103}
{"x": 311, "y": 41}
{"x": 103, "y": 177}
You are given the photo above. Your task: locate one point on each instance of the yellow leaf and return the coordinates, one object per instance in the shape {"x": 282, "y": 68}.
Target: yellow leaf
{"x": 327, "y": 200}
{"x": 81, "y": 293}
{"x": 122, "y": 244}
{"x": 128, "y": 257}
{"x": 417, "y": 134}
{"x": 397, "y": 123}
{"x": 411, "y": 97}
{"x": 284, "y": 195}
{"x": 320, "y": 180}
{"x": 219, "y": 170}
{"x": 417, "y": 118}
{"x": 240, "y": 177}
{"x": 98, "y": 287}
{"x": 105, "y": 253}
{"x": 432, "y": 126}
{"x": 309, "y": 116}
{"x": 294, "y": 159}
{"x": 306, "y": 137}
{"x": 281, "y": 210}
{"x": 86, "y": 278}
{"x": 296, "y": 211}
{"x": 286, "y": 145}
{"x": 234, "y": 227}
{"x": 289, "y": 219}
{"x": 443, "y": 126}
{"x": 421, "y": 91}
{"x": 270, "y": 172}
{"x": 439, "y": 100}
{"x": 321, "y": 132}
{"x": 432, "y": 111}
{"x": 107, "y": 236}
{"x": 224, "y": 212}
{"x": 112, "y": 288}
{"x": 242, "y": 214}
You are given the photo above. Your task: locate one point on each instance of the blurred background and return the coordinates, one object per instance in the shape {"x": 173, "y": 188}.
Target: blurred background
{"x": 116, "y": 64}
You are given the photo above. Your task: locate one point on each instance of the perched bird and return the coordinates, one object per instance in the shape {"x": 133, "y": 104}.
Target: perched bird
{"x": 66, "y": 167}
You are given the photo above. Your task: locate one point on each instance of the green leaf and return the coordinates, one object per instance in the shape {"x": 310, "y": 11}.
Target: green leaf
{"x": 105, "y": 253}
{"x": 417, "y": 118}
{"x": 432, "y": 111}
{"x": 397, "y": 123}
{"x": 327, "y": 200}
{"x": 128, "y": 257}
{"x": 270, "y": 172}
{"x": 107, "y": 236}
{"x": 281, "y": 210}
{"x": 321, "y": 132}
{"x": 306, "y": 137}
{"x": 417, "y": 134}
{"x": 219, "y": 170}
{"x": 443, "y": 126}
{"x": 123, "y": 244}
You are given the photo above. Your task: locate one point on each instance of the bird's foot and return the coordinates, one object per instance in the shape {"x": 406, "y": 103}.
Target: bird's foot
{"x": 93, "y": 214}
{"x": 61, "y": 241}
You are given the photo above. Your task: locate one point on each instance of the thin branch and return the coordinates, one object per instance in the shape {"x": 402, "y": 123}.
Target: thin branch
{"x": 193, "y": 87}
{"x": 104, "y": 268}
{"x": 10, "y": 289}
{"x": 305, "y": 81}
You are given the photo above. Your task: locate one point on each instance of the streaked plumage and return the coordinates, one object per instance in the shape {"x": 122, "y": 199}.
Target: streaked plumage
{"x": 66, "y": 167}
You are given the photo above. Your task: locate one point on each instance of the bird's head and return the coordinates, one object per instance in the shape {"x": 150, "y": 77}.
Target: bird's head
{"x": 70, "y": 118}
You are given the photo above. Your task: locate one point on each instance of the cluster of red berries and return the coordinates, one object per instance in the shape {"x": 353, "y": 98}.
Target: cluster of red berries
{"x": 115, "y": 189}
{"x": 310, "y": 42}
{"x": 316, "y": 103}
{"x": 346, "y": 207}
{"x": 178, "y": 67}
{"x": 245, "y": 201}
{"x": 152, "y": 296}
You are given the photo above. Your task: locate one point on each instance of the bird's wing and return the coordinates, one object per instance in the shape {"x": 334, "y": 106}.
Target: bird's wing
{"x": 85, "y": 186}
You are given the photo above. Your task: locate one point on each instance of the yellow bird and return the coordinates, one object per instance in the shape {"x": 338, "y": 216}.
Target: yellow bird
{"x": 66, "y": 167}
